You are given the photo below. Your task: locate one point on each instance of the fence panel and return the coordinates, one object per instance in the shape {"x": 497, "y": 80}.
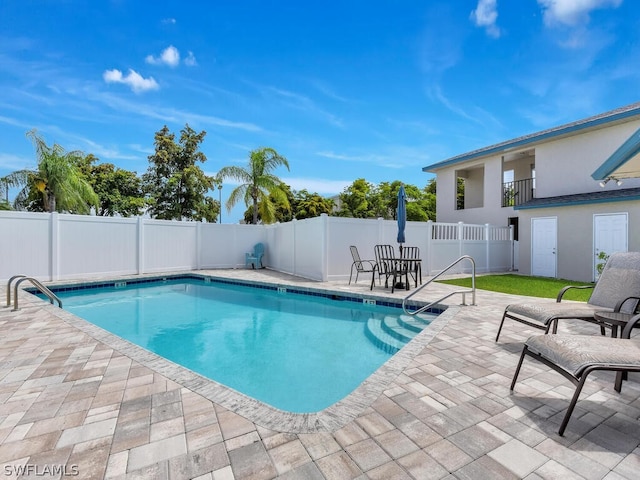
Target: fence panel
{"x": 53, "y": 246}
{"x": 169, "y": 246}
{"x": 24, "y": 244}
{"x": 111, "y": 242}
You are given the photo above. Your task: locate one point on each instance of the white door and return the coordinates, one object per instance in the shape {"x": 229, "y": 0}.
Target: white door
{"x": 543, "y": 246}
{"x": 609, "y": 236}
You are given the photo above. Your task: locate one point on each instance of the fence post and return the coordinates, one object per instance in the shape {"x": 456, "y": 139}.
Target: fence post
{"x": 487, "y": 239}
{"x": 54, "y": 248}
{"x": 198, "y": 244}
{"x": 512, "y": 249}
{"x": 460, "y": 239}
{"x": 325, "y": 247}
{"x": 140, "y": 245}
{"x": 429, "y": 247}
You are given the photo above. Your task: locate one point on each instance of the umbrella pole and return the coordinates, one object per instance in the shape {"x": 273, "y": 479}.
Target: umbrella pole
{"x": 400, "y": 283}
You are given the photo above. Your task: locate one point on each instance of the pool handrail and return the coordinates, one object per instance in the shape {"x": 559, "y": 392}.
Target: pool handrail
{"x": 9, "y": 288}
{"x": 472, "y": 291}
{"x": 23, "y": 278}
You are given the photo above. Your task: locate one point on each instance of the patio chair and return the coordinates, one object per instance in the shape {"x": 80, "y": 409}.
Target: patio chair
{"x": 576, "y": 356}
{"x": 414, "y": 267}
{"x": 361, "y": 266}
{"x": 387, "y": 265}
{"x": 617, "y": 290}
{"x": 255, "y": 258}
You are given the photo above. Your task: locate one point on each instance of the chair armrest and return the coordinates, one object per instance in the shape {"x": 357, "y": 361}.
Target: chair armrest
{"x": 631, "y": 324}
{"x": 622, "y": 302}
{"x": 568, "y": 287}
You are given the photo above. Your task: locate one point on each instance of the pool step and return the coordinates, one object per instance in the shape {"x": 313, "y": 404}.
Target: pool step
{"x": 404, "y": 328}
{"x": 380, "y": 338}
{"x": 415, "y": 323}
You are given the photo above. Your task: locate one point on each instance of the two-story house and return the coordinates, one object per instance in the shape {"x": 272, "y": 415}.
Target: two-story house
{"x": 571, "y": 192}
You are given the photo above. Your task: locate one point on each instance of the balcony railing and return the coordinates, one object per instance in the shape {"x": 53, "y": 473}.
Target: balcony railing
{"x": 517, "y": 192}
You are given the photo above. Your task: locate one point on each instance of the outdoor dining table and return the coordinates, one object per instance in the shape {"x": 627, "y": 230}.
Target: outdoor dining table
{"x": 401, "y": 266}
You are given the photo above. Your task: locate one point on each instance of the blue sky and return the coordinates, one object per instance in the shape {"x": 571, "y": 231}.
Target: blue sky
{"x": 344, "y": 90}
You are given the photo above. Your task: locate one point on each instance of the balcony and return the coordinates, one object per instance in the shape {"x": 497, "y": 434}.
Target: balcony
{"x": 517, "y": 192}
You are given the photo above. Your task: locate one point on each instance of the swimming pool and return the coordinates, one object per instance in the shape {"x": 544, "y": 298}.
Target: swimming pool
{"x": 298, "y": 353}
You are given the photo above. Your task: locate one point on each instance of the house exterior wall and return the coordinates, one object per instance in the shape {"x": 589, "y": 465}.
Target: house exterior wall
{"x": 564, "y": 166}
{"x": 490, "y": 210}
{"x": 575, "y": 243}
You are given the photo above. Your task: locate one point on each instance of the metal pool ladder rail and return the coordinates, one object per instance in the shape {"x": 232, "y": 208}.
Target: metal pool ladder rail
{"x": 23, "y": 278}
{"x": 472, "y": 291}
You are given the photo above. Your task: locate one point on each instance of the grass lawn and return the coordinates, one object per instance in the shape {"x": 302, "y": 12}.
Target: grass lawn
{"x": 523, "y": 285}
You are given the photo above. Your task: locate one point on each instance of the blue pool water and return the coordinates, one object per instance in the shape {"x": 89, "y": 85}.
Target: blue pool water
{"x": 298, "y": 353}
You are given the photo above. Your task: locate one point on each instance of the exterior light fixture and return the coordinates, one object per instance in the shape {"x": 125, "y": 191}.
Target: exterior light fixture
{"x": 608, "y": 179}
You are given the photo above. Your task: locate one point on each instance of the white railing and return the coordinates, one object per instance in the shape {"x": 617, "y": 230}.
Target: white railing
{"x": 60, "y": 246}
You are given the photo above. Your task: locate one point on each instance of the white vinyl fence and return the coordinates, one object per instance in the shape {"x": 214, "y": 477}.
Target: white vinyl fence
{"x": 60, "y": 246}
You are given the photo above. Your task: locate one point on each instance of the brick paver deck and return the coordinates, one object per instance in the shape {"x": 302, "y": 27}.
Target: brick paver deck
{"x": 76, "y": 401}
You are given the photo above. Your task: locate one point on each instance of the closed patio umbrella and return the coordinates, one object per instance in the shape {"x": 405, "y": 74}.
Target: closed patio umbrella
{"x": 401, "y": 215}
{"x": 402, "y": 222}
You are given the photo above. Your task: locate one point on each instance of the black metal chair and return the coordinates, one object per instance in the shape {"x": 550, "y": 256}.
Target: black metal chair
{"x": 414, "y": 266}
{"x": 388, "y": 264}
{"x": 360, "y": 266}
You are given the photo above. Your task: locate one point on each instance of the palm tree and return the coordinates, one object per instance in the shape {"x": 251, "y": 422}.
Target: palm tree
{"x": 56, "y": 182}
{"x": 258, "y": 183}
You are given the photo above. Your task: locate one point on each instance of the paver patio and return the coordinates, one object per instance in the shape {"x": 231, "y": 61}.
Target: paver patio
{"x": 72, "y": 403}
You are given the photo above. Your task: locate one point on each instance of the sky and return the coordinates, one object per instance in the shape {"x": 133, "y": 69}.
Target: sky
{"x": 343, "y": 89}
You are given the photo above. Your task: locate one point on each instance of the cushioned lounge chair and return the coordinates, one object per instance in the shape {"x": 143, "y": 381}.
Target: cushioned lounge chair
{"x": 576, "y": 356}
{"x": 254, "y": 259}
{"x": 617, "y": 289}
{"x": 359, "y": 265}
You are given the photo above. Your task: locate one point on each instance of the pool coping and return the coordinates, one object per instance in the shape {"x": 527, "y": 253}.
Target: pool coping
{"x": 329, "y": 419}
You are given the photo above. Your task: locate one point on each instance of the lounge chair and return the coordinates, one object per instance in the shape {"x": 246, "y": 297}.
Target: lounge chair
{"x": 387, "y": 265}
{"x": 576, "y": 356}
{"x": 254, "y": 259}
{"x": 617, "y": 289}
{"x": 360, "y": 266}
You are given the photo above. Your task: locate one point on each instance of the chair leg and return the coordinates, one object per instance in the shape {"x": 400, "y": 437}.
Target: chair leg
{"x": 351, "y": 274}
{"x": 517, "y": 372}
{"x": 618, "y": 384}
{"x": 552, "y": 325}
{"x": 504, "y": 315}
{"x": 373, "y": 277}
{"x": 572, "y": 405}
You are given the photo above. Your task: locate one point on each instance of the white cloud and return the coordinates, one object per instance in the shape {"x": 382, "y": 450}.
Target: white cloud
{"x": 169, "y": 21}
{"x": 572, "y": 12}
{"x": 485, "y": 16}
{"x": 190, "y": 61}
{"x": 170, "y": 56}
{"x": 133, "y": 79}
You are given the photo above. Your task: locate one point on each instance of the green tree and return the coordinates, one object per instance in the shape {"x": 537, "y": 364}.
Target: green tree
{"x": 56, "y": 185}
{"x": 119, "y": 190}
{"x": 176, "y": 187}
{"x": 309, "y": 205}
{"x": 259, "y": 188}
{"x": 355, "y": 200}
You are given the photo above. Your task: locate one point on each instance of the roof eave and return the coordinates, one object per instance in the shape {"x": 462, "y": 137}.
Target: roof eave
{"x": 553, "y": 133}
{"x": 622, "y": 155}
